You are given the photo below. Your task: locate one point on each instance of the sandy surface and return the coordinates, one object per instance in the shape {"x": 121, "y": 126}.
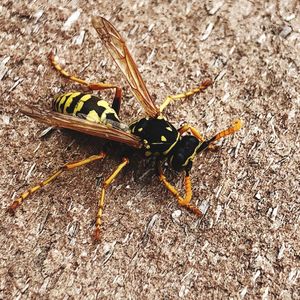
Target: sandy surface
{"x": 247, "y": 244}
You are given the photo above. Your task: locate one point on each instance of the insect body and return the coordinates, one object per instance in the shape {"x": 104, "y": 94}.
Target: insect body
{"x": 159, "y": 136}
{"x": 87, "y": 106}
{"x": 153, "y": 134}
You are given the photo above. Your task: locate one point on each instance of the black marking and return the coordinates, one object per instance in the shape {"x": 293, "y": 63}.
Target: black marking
{"x": 62, "y": 102}
{"x": 73, "y": 104}
{"x": 111, "y": 116}
{"x": 89, "y": 105}
{"x": 57, "y": 104}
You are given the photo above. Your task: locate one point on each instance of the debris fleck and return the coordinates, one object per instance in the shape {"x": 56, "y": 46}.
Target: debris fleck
{"x": 281, "y": 251}
{"x": 255, "y": 276}
{"x": 220, "y": 75}
{"x": 204, "y": 207}
{"x": 218, "y": 212}
{"x": 207, "y": 32}
{"x": 219, "y": 191}
{"x": 151, "y": 56}
{"x": 285, "y": 32}
{"x": 290, "y": 17}
{"x": 46, "y": 131}
{"x": 30, "y": 171}
{"x": 19, "y": 81}
{"x": 108, "y": 250}
{"x": 176, "y": 215}
{"x": 3, "y": 68}
{"x": 38, "y": 15}
{"x": 216, "y": 6}
{"x": 150, "y": 226}
{"x": 5, "y": 119}
{"x": 78, "y": 40}
{"x": 243, "y": 292}
{"x": 71, "y": 20}
{"x": 274, "y": 213}
{"x": 257, "y": 196}
{"x": 293, "y": 275}
{"x": 265, "y": 294}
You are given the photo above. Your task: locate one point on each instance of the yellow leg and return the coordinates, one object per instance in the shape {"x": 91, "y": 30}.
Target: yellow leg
{"x": 193, "y": 130}
{"x": 206, "y": 83}
{"x": 185, "y": 202}
{"x": 105, "y": 185}
{"x": 66, "y": 167}
{"x": 92, "y": 85}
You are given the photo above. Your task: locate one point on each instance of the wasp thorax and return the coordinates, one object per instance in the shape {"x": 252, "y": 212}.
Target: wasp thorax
{"x": 184, "y": 152}
{"x": 157, "y": 134}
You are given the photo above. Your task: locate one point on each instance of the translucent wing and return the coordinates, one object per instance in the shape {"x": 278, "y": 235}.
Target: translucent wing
{"x": 119, "y": 51}
{"x": 108, "y": 131}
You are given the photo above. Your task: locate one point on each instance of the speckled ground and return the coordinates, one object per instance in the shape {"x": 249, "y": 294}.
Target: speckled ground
{"x": 247, "y": 244}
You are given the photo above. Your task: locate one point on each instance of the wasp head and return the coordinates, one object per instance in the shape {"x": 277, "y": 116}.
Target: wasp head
{"x": 181, "y": 158}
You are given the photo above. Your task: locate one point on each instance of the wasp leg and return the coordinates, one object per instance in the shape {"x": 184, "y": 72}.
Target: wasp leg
{"x": 105, "y": 185}
{"x": 193, "y": 130}
{"x": 66, "y": 167}
{"x": 197, "y": 134}
{"x": 205, "y": 84}
{"x": 185, "y": 202}
{"x": 116, "y": 105}
{"x": 91, "y": 85}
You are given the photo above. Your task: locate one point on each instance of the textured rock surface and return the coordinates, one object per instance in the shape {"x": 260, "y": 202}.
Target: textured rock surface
{"x": 246, "y": 245}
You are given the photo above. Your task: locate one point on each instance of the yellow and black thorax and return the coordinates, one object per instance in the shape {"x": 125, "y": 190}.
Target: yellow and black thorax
{"x": 161, "y": 138}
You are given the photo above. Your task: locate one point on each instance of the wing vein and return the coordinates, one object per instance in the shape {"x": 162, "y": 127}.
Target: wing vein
{"x": 121, "y": 55}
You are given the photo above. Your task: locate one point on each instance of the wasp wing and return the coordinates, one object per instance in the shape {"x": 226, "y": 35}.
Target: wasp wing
{"x": 106, "y": 131}
{"x": 121, "y": 55}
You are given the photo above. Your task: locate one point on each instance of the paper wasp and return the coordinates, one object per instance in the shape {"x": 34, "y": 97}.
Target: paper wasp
{"x": 153, "y": 134}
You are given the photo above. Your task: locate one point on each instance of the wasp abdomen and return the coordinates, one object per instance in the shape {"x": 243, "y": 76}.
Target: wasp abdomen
{"x": 86, "y": 106}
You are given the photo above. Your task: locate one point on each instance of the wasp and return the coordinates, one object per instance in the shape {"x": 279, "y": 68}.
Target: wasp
{"x": 153, "y": 134}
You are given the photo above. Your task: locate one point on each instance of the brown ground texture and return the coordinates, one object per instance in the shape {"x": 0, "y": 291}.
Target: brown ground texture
{"x": 246, "y": 246}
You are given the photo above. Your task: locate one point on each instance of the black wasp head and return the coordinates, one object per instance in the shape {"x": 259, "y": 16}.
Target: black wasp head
{"x": 181, "y": 159}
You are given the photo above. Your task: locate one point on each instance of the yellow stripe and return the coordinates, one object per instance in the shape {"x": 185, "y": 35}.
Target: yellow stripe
{"x": 61, "y": 102}
{"x": 85, "y": 97}
{"x": 69, "y": 101}
{"x": 80, "y": 103}
{"x": 172, "y": 146}
{"x": 191, "y": 158}
{"x": 103, "y": 103}
{"x": 108, "y": 110}
{"x": 93, "y": 117}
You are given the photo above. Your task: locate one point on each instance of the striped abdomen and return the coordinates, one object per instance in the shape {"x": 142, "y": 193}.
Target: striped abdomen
{"x": 86, "y": 106}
